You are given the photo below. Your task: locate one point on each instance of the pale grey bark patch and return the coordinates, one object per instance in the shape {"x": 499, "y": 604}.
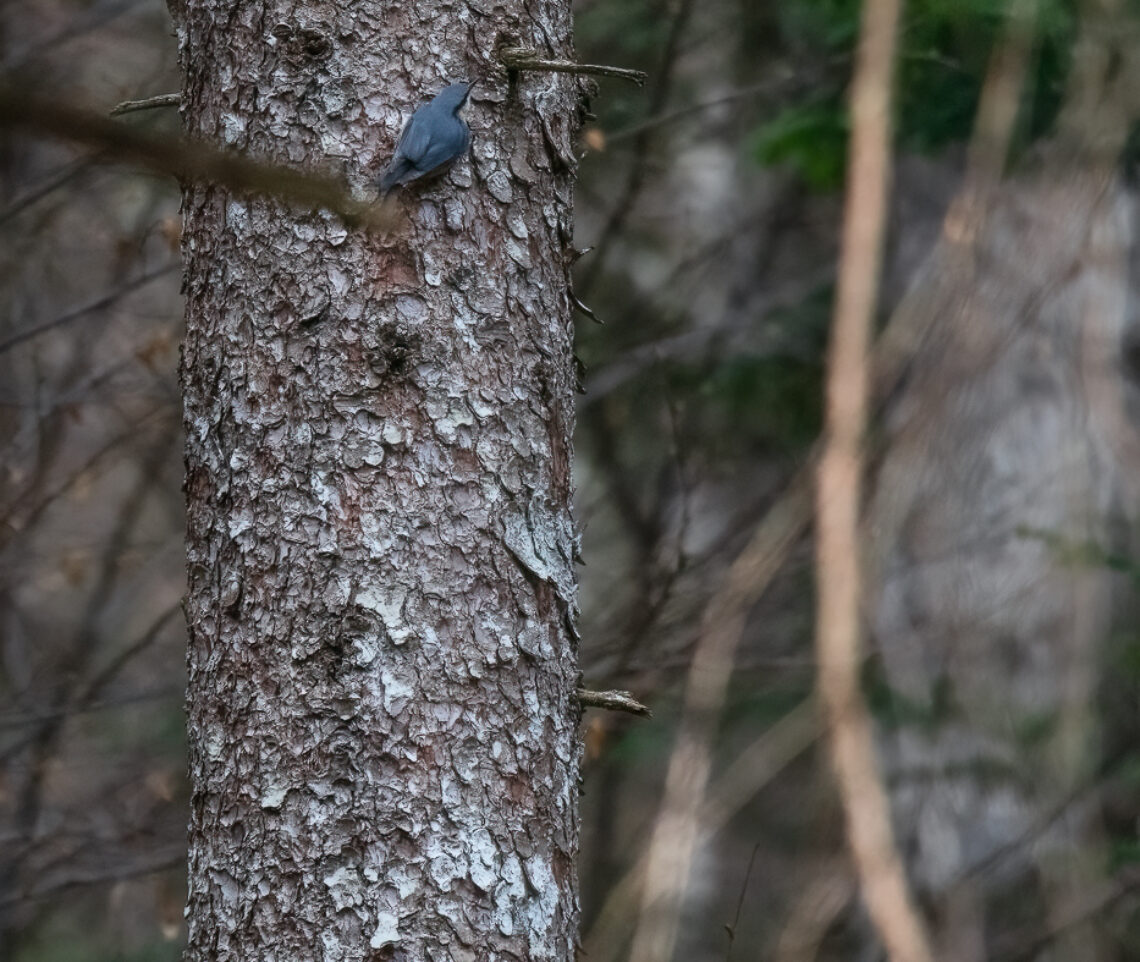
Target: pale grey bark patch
{"x": 545, "y": 544}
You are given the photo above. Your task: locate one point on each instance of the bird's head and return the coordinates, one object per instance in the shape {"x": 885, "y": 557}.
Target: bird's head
{"x": 453, "y": 97}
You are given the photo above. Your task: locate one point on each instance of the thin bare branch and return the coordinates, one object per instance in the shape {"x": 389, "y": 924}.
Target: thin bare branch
{"x": 679, "y": 822}
{"x": 1001, "y": 96}
{"x": 613, "y": 700}
{"x": 735, "y": 926}
{"x": 1021, "y": 946}
{"x": 157, "y": 861}
{"x": 524, "y": 58}
{"x": 150, "y": 103}
{"x": 57, "y": 180}
{"x": 639, "y": 168}
{"x": 813, "y": 913}
{"x": 784, "y": 80}
{"x": 98, "y": 304}
{"x": 752, "y": 769}
{"x": 109, "y": 672}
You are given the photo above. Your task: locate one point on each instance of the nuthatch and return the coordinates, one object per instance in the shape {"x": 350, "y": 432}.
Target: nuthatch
{"x": 433, "y": 139}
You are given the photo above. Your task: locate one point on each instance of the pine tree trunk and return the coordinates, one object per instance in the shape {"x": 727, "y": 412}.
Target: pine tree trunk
{"x": 382, "y": 597}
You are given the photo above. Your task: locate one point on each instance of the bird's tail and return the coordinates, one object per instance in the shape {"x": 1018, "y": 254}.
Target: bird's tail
{"x": 393, "y": 176}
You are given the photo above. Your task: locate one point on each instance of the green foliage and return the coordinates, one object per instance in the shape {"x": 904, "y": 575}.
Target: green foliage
{"x": 1127, "y": 773}
{"x": 944, "y": 51}
{"x": 1125, "y": 852}
{"x": 648, "y": 744}
{"x": 895, "y": 710}
{"x": 753, "y": 709}
{"x": 1081, "y": 554}
{"x": 776, "y": 400}
{"x": 811, "y": 139}
{"x": 1035, "y": 728}
{"x": 828, "y": 25}
{"x": 771, "y": 403}
{"x": 1128, "y": 658}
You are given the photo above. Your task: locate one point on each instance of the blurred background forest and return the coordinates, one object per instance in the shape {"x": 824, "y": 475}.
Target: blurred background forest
{"x": 713, "y": 200}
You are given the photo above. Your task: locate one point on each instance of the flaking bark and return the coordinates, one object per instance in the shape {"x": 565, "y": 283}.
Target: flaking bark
{"x": 382, "y": 597}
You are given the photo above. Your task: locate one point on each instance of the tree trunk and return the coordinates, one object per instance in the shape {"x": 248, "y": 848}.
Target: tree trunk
{"x": 382, "y": 597}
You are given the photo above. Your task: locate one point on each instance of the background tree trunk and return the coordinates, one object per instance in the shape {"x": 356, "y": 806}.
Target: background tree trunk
{"x": 1009, "y": 468}
{"x": 382, "y": 596}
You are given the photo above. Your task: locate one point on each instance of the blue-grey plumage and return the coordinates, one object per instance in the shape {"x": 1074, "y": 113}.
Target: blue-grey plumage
{"x": 433, "y": 139}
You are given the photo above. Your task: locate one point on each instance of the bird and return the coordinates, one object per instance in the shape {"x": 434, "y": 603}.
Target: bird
{"x": 434, "y": 138}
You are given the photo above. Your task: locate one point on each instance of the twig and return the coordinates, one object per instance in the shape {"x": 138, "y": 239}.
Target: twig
{"x": 150, "y": 103}
{"x": 42, "y": 742}
{"x": 96, "y": 685}
{"x": 104, "y": 300}
{"x": 584, "y": 309}
{"x": 764, "y": 555}
{"x": 752, "y": 769}
{"x": 639, "y": 169}
{"x": 12, "y": 521}
{"x": 614, "y": 700}
{"x": 680, "y": 820}
{"x": 16, "y": 720}
{"x": 52, "y": 183}
{"x": 838, "y": 574}
{"x": 786, "y": 520}
{"x": 731, "y": 929}
{"x": 785, "y": 81}
{"x": 786, "y": 78}
{"x": 524, "y": 58}
{"x": 156, "y": 861}
{"x": 1019, "y": 946}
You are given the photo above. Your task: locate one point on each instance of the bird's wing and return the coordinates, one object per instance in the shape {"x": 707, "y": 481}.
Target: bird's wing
{"x": 414, "y": 141}
{"x": 418, "y": 154}
{"x": 445, "y": 149}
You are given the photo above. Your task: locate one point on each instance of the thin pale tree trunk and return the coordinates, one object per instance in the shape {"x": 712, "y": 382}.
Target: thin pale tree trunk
{"x": 880, "y": 870}
{"x": 382, "y": 597}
